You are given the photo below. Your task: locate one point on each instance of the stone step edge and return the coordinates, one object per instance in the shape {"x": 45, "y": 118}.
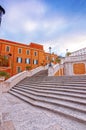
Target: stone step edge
{"x": 50, "y": 87}
{"x": 66, "y": 106}
{"x": 44, "y": 95}
{"x": 77, "y": 85}
{"x": 51, "y": 110}
{"x": 57, "y": 90}
{"x": 55, "y": 81}
{"x": 57, "y": 93}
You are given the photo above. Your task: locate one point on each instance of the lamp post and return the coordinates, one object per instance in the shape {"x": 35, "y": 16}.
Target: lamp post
{"x": 2, "y": 11}
{"x": 50, "y": 56}
{"x": 66, "y": 51}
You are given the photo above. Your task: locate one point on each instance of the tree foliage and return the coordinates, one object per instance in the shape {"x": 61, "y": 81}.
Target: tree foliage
{"x": 58, "y": 60}
{"x": 4, "y": 61}
{"x": 4, "y": 74}
{"x": 68, "y": 53}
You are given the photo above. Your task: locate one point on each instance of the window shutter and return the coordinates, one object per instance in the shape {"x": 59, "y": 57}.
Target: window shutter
{"x": 25, "y": 60}
{"x": 17, "y": 60}
{"x": 21, "y": 60}
{"x": 29, "y": 61}
{"x": 36, "y": 61}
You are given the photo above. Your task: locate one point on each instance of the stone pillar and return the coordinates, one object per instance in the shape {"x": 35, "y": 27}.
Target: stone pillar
{"x": 50, "y": 71}
{"x": 68, "y": 68}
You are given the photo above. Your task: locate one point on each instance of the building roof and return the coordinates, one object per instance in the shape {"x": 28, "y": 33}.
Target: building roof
{"x": 31, "y": 45}
{"x": 17, "y": 43}
{"x": 36, "y": 46}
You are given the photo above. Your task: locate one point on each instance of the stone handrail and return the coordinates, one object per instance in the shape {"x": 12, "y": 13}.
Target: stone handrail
{"x": 34, "y": 71}
{"x": 53, "y": 69}
{"x": 20, "y": 76}
{"x": 75, "y": 58}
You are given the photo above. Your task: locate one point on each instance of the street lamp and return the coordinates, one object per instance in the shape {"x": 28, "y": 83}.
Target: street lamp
{"x": 2, "y": 11}
{"x": 66, "y": 51}
{"x": 50, "y": 56}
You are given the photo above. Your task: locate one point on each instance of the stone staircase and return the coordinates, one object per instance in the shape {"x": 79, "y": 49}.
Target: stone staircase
{"x": 65, "y": 95}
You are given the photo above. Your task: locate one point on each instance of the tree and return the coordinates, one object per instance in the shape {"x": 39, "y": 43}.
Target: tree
{"x": 58, "y": 60}
{"x": 4, "y": 74}
{"x": 4, "y": 61}
{"x": 68, "y": 53}
{"x": 28, "y": 67}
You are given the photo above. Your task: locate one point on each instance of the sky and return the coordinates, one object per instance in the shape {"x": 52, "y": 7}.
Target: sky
{"x": 59, "y": 24}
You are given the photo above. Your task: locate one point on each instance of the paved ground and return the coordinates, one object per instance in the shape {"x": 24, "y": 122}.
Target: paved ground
{"x": 18, "y": 115}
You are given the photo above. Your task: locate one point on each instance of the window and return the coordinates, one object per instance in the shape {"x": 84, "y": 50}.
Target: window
{"x": 27, "y": 52}
{"x": 19, "y": 60}
{"x": 53, "y": 58}
{"x": 18, "y": 69}
{"x": 35, "y": 53}
{"x": 35, "y": 62}
{"x": 27, "y": 61}
{"x": 47, "y": 58}
{"x": 7, "y": 48}
{"x": 19, "y": 50}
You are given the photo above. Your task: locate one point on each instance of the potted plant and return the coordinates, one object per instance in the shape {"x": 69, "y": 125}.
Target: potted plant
{"x": 28, "y": 67}
{"x": 4, "y": 75}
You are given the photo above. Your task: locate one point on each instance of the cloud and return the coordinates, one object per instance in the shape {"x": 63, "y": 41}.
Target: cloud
{"x": 28, "y": 18}
{"x": 23, "y": 14}
{"x": 30, "y": 26}
{"x": 33, "y": 21}
{"x": 72, "y": 42}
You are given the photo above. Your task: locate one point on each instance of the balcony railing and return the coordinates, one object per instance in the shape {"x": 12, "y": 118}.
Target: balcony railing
{"x": 75, "y": 58}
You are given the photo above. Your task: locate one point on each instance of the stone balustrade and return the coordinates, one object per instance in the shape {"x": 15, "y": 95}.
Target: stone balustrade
{"x": 75, "y": 58}
{"x": 8, "y": 84}
{"x": 34, "y": 71}
{"x": 53, "y": 69}
{"x": 79, "y": 52}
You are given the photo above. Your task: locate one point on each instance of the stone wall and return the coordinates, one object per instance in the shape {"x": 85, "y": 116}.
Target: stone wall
{"x": 75, "y": 65}
{"x": 79, "y": 68}
{"x": 60, "y": 72}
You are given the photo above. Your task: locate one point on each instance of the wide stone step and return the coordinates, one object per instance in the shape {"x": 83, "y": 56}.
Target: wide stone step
{"x": 59, "y": 109}
{"x": 68, "y": 82}
{"x": 83, "y": 96}
{"x": 67, "y": 77}
{"x": 53, "y": 79}
{"x": 62, "y": 79}
{"x": 46, "y": 78}
{"x": 51, "y": 96}
{"x": 52, "y": 86}
{"x": 63, "y": 82}
{"x": 59, "y": 90}
{"x": 54, "y": 82}
{"x": 72, "y": 105}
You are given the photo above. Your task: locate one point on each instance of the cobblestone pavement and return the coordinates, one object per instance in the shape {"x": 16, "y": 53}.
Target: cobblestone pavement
{"x": 18, "y": 115}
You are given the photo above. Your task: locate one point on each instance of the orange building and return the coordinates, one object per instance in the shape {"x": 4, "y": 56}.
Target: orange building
{"x": 21, "y": 55}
